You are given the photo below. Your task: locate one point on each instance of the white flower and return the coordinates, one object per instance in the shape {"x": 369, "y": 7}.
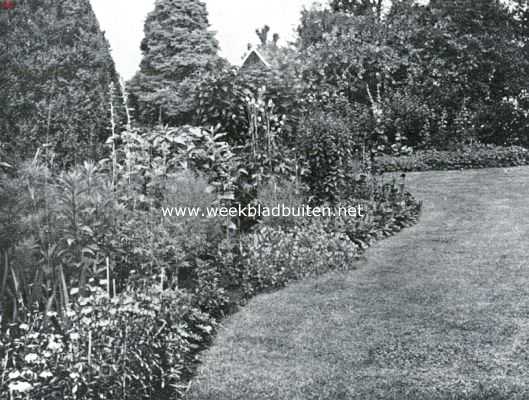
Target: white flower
{"x": 13, "y": 375}
{"x": 75, "y": 336}
{"x": 45, "y": 374}
{"x": 24, "y": 327}
{"x": 84, "y": 301}
{"x": 87, "y": 310}
{"x": 54, "y": 346}
{"x": 31, "y": 358}
{"x": 74, "y": 375}
{"x": 20, "y": 387}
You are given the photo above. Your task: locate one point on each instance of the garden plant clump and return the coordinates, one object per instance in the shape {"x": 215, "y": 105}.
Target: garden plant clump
{"x": 102, "y": 296}
{"x": 466, "y": 157}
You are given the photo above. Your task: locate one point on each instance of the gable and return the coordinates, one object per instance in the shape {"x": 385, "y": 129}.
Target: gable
{"x": 254, "y": 59}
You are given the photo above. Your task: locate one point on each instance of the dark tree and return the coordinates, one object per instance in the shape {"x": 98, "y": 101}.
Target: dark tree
{"x": 262, "y": 34}
{"x": 56, "y": 73}
{"x": 358, "y": 7}
{"x": 177, "y": 50}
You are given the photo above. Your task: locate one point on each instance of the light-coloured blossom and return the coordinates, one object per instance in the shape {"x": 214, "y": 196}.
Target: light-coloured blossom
{"x": 20, "y": 387}
{"x": 54, "y": 346}
{"x": 31, "y": 358}
{"x": 46, "y": 374}
{"x": 24, "y": 327}
{"x": 13, "y": 375}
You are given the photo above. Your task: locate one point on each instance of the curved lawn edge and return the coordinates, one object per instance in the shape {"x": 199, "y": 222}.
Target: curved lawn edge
{"x": 407, "y": 218}
{"x": 439, "y": 311}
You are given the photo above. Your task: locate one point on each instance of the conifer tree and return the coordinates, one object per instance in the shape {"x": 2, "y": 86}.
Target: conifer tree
{"x": 177, "y": 50}
{"x": 56, "y": 71}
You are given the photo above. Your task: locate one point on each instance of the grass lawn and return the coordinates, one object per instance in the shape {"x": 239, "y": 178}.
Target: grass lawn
{"x": 440, "y": 311}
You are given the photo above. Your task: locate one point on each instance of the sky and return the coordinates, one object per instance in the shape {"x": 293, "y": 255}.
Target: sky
{"x": 234, "y": 21}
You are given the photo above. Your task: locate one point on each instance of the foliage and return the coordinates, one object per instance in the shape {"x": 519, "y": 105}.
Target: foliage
{"x": 59, "y": 231}
{"x": 272, "y": 257}
{"x": 275, "y": 254}
{"x": 470, "y": 59}
{"x": 359, "y": 7}
{"x": 97, "y": 232}
{"x": 108, "y": 263}
{"x": 360, "y": 64}
{"x": 257, "y": 127}
{"x": 57, "y": 70}
{"x": 224, "y": 97}
{"x": 505, "y": 122}
{"x": 136, "y": 345}
{"x": 470, "y": 156}
{"x": 177, "y": 50}
{"x": 333, "y": 156}
{"x": 430, "y": 74}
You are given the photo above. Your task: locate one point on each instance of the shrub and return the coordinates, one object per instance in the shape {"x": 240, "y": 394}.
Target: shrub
{"x": 471, "y": 156}
{"x": 506, "y": 122}
{"x": 223, "y": 99}
{"x": 332, "y": 155}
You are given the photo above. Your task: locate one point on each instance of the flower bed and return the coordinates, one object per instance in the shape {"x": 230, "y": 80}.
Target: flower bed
{"x": 142, "y": 343}
{"x": 273, "y": 255}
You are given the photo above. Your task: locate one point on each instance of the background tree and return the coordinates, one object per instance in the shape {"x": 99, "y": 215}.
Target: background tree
{"x": 56, "y": 72}
{"x": 471, "y": 60}
{"x": 177, "y": 49}
{"x": 262, "y": 34}
{"x": 358, "y": 7}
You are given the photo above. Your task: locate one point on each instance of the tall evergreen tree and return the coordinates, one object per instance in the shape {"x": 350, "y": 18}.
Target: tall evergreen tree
{"x": 177, "y": 49}
{"x": 56, "y": 73}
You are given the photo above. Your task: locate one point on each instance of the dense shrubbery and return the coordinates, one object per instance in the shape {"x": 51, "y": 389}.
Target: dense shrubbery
{"x": 472, "y": 156}
{"x": 331, "y": 153}
{"x": 57, "y": 78}
{"x": 225, "y": 95}
{"x": 433, "y": 75}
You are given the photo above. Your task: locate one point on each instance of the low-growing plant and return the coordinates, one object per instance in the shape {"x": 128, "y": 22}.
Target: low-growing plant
{"x": 462, "y": 157}
{"x": 138, "y": 345}
{"x": 272, "y": 256}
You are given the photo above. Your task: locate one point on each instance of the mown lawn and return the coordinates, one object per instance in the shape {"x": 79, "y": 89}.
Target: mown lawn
{"x": 440, "y": 311}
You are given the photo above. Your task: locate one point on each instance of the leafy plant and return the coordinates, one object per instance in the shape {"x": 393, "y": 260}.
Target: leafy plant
{"x": 137, "y": 345}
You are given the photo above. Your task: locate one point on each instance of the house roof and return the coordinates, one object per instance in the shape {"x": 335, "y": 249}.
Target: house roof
{"x": 252, "y": 57}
